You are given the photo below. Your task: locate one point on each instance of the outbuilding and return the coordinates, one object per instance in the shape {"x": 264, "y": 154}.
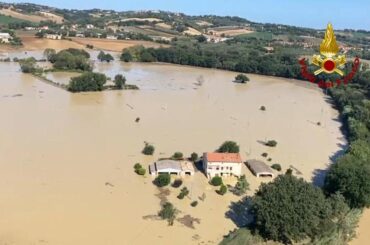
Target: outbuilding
{"x": 260, "y": 169}
{"x": 168, "y": 166}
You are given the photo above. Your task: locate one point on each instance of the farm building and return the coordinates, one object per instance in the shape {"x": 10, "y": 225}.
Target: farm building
{"x": 222, "y": 164}
{"x": 171, "y": 167}
{"x": 260, "y": 169}
{"x": 5, "y": 37}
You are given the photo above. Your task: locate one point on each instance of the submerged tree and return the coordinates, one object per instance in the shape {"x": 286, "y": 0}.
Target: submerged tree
{"x": 119, "y": 81}
{"x": 229, "y": 147}
{"x": 168, "y": 212}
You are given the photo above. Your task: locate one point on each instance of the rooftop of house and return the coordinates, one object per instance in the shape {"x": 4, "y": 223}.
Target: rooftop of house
{"x": 259, "y": 167}
{"x": 167, "y": 164}
{"x": 223, "y": 157}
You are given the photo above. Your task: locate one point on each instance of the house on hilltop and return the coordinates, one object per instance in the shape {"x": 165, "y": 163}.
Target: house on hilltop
{"x": 222, "y": 164}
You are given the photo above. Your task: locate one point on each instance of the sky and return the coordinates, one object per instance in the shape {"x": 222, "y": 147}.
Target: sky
{"x": 350, "y": 14}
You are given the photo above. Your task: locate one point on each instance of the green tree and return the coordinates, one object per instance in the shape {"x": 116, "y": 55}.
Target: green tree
{"x": 183, "y": 193}
{"x": 148, "y": 149}
{"x": 168, "y": 212}
{"x": 241, "y": 186}
{"x": 49, "y": 54}
{"x": 126, "y": 56}
{"x": 194, "y": 157}
{"x": 216, "y": 181}
{"x": 105, "y": 57}
{"x": 223, "y": 189}
{"x": 229, "y": 147}
{"x": 350, "y": 176}
{"x": 271, "y": 143}
{"x": 178, "y": 156}
{"x": 290, "y": 210}
{"x": 88, "y": 81}
{"x": 162, "y": 180}
{"x": 28, "y": 65}
{"x": 119, "y": 81}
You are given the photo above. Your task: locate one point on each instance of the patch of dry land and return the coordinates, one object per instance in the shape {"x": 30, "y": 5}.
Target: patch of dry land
{"x": 43, "y": 16}
{"x": 67, "y": 159}
{"x": 230, "y": 32}
{"x": 192, "y": 32}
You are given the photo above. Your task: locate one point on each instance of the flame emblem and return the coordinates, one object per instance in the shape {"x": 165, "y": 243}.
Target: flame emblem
{"x": 328, "y": 60}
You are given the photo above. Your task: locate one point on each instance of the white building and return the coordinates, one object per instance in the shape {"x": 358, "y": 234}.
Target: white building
{"x": 53, "y": 36}
{"x": 89, "y": 26}
{"x": 222, "y": 164}
{"x": 5, "y": 37}
{"x": 169, "y": 166}
{"x": 111, "y": 37}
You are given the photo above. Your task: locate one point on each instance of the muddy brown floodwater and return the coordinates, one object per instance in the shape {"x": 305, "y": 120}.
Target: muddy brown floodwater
{"x": 66, "y": 160}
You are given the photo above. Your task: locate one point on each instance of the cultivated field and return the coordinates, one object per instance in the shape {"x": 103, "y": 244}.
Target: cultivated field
{"x": 32, "y": 18}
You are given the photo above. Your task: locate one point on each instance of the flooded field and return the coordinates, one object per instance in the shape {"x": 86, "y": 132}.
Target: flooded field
{"x": 67, "y": 159}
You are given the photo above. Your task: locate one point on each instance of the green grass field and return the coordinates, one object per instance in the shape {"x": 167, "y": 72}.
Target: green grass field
{"x": 5, "y": 20}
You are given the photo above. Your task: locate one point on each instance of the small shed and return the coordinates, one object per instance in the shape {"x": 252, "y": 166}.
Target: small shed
{"x": 260, "y": 168}
{"x": 165, "y": 167}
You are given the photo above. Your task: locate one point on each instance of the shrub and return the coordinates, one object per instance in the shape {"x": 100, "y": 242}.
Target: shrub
{"x": 264, "y": 154}
{"x": 148, "y": 149}
{"x": 162, "y": 180}
{"x": 269, "y": 159}
{"x": 263, "y": 108}
{"x": 241, "y": 78}
{"x": 222, "y": 190}
{"x": 289, "y": 171}
{"x": 137, "y": 166}
{"x": 105, "y": 57}
{"x": 194, "y": 157}
{"x": 141, "y": 171}
{"x": 119, "y": 81}
{"x": 229, "y": 147}
{"x": 177, "y": 183}
{"x": 216, "y": 181}
{"x": 183, "y": 193}
{"x": 241, "y": 186}
{"x": 178, "y": 156}
{"x": 194, "y": 203}
{"x": 88, "y": 81}
{"x": 28, "y": 65}
{"x": 276, "y": 166}
{"x": 168, "y": 212}
{"x": 271, "y": 143}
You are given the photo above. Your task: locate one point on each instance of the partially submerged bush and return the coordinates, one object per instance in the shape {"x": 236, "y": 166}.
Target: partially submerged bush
{"x": 194, "y": 157}
{"x": 177, "y": 183}
{"x": 264, "y": 154}
{"x": 271, "y": 143}
{"x": 229, "y": 147}
{"x": 162, "y": 180}
{"x": 148, "y": 149}
{"x": 183, "y": 193}
{"x": 168, "y": 212}
{"x": 223, "y": 189}
{"x": 276, "y": 166}
{"x": 178, "y": 155}
{"x": 194, "y": 203}
{"x": 216, "y": 181}
{"x": 141, "y": 171}
{"x": 263, "y": 108}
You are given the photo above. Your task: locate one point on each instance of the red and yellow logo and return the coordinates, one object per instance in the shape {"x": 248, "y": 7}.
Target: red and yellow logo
{"x": 328, "y": 62}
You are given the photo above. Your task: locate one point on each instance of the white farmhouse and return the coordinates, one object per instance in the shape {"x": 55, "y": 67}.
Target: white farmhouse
{"x": 53, "y": 36}
{"x": 5, "y": 37}
{"x": 222, "y": 164}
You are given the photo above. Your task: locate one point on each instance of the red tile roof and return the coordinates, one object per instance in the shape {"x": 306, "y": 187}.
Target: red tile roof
{"x": 223, "y": 157}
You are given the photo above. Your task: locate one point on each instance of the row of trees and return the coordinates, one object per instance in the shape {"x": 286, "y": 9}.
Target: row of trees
{"x": 69, "y": 59}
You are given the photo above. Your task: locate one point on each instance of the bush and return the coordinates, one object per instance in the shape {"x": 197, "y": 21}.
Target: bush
{"x": 178, "y": 156}
{"x": 276, "y": 166}
{"x": 263, "y": 108}
{"x": 289, "y": 171}
{"x": 229, "y": 147}
{"x": 183, "y": 193}
{"x": 88, "y": 81}
{"x": 194, "y": 157}
{"x": 141, "y": 171}
{"x": 241, "y": 186}
{"x": 148, "y": 149}
{"x": 223, "y": 189}
{"x": 241, "y": 78}
{"x": 71, "y": 59}
{"x": 162, "y": 180}
{"x": 216, "y": 181}
{"x": 271, "y": 143}
{"x": 28, "y": 65}
{"x": 264, "y": 154}
{"x": 269, "y": 159}
{"x": 177, "y": 183}
{"x": 126, "y": 56}
{"x": 168, "y": 212}
{"x": 137, "y": 166}
{"x": 105, "y": 57}
{"x": 194, "y": 203}
{"x": 119, "y": 81}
